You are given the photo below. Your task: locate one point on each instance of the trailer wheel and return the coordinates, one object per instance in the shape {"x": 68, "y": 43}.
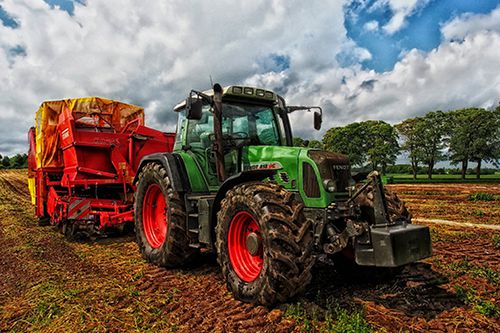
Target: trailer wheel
{"x": 264, "y": 243}
{"x": 160, "y": 219}
{"x": 43, "y": 221}
{"x": 69, "y": 230}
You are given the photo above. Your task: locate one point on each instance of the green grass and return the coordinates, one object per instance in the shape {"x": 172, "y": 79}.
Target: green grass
{"x": 496, "y": 241}
{"x": 465, "y": 266}
{"x": 481, "y": 196}
{"x": 484, "y": 307}
{"x": 408, "y": 178}
{"x": 336, "y": 319}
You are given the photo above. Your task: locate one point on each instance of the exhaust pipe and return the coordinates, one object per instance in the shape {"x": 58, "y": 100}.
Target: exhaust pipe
{"x": 217, "y": 147}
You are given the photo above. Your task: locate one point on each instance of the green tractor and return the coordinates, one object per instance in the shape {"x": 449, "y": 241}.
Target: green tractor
{"x": 234, "y": 185}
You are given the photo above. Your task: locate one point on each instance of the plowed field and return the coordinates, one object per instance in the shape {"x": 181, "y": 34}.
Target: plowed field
{"x": 49, "y": 284}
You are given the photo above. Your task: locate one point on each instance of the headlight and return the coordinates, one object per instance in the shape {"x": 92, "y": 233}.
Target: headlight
{"x": 329, "y": 185}
{"x": 352, "y": 185}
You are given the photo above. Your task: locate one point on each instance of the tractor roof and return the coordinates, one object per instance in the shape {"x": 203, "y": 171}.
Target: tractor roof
{"x": 245, "y": 92}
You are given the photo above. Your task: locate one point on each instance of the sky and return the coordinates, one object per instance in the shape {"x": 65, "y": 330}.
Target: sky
{"x": 381, "y": 59}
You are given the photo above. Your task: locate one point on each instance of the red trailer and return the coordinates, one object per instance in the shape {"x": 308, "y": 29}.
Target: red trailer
{"x": 82, "y": 161}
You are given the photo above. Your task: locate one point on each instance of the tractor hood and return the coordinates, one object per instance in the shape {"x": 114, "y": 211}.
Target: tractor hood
{"x": 302, "y": 170}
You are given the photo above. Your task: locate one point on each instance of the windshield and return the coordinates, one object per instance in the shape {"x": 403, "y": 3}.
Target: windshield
{"x": 255, "y": 123}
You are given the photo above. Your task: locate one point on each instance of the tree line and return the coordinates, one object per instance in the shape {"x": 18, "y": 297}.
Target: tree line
{"x": 18, "y": 161}
{"x": 460, "y": 136}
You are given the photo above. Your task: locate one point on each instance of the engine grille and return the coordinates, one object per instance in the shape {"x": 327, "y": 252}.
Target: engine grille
{"x": 333, "y": 166}
{"x": 311, "y": 185}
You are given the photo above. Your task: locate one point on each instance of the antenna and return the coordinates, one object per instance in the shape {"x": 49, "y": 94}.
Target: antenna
{"x": 211, "y": 81}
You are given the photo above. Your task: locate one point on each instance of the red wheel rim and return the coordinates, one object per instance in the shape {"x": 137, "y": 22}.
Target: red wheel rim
{"x": 245, "y": 265}
{"x": 154, "y": 217}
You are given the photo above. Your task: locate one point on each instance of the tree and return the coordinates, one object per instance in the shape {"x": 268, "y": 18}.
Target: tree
{"x": 347, "y": 140}
{"x": 19, "y": 161}
{"x": 409, "y": 129}
{"x": 6, "y": 162}
{"x": 298, "y": 142}
{"x": 315, "y": 144}
{"x": 474, "y": 136}
{"x": 460, "y": 133}
{"x": 433, "y": 128}
{"x": 486, "y": 143}
{"x": 381, "y": 144}
{"x": 373, "y": 142}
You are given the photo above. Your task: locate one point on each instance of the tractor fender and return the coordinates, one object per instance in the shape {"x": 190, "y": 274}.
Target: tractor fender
{"x": 239, "y": 178}
{"x": 175, "y": 167}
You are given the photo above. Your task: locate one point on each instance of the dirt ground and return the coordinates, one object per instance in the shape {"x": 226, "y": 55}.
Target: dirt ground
{"x": 48, "y": 284}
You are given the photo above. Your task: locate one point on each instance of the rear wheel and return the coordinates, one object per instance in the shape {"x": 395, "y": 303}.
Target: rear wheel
{"x": 160, "y": 219}
{"x": 264, "y": 243}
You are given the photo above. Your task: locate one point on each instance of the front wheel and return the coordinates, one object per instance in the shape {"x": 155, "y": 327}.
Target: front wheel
{"x": 264, "y": 243}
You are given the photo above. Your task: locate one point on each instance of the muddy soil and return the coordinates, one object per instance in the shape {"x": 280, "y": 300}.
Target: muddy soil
{"x": 51, "y": 285}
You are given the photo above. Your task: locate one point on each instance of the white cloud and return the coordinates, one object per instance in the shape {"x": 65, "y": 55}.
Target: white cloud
{"x": 371, "y": 26}
{"x": 401, "y": 9}
{"x": 454, "y": 75}
{"x": 153, "y": 54}
{"x": 468, "y": 23}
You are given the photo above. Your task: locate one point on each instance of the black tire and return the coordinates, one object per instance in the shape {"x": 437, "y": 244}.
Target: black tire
{"x": 286, "y": 243}
{"x": 43, "y": 221}
{"x": 175, "y": 250}
{"x": 69, "y": 230}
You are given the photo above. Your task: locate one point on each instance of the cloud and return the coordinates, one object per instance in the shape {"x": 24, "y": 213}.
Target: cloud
{"x": 371, "y": 26}
{"x": 459, "y": 27}
{"x": 454, "y": 75}
{"x": 401, "y": 9}
{"x": 153, "y": 54}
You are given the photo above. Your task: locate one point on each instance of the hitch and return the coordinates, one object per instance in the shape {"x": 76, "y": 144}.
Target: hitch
{"x": 379, "y": 203}
{"x": 389, "y": 243}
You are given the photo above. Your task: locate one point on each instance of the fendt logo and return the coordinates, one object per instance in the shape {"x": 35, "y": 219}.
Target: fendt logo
{"x": 340, "y": 167}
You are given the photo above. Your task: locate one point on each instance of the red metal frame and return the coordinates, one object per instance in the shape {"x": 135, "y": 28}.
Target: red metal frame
{"x": 97, "y": 160}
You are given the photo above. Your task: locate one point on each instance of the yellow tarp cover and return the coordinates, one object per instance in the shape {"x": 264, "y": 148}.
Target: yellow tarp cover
{"x": 31, "y": 186}
{"x": 47, "y": 117}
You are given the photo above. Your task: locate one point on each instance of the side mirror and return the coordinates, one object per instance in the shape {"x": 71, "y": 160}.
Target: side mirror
{"x": 317, "y": 120}
{"x": 194, "y": 107}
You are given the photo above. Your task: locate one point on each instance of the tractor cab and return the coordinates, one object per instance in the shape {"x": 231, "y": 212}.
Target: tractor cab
{"x": 251, "y": 118}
